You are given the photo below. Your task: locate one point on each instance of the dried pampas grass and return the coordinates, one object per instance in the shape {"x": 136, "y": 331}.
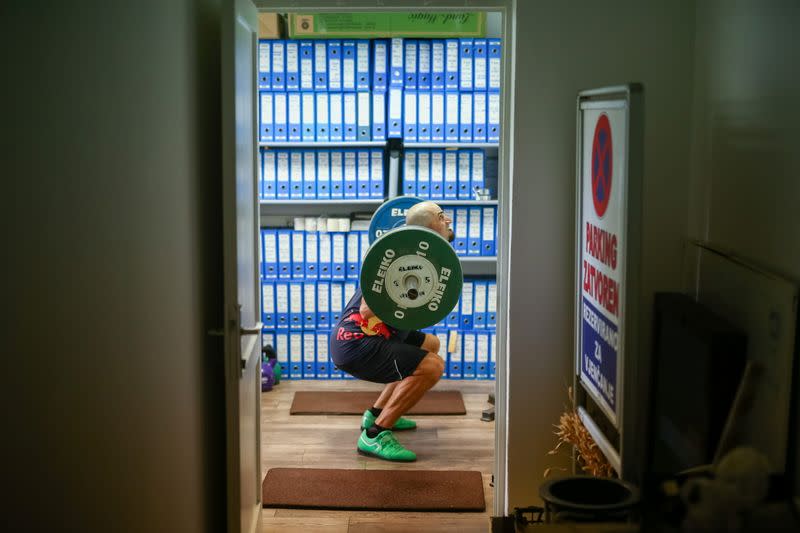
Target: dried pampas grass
{"x": 570, "y": 430}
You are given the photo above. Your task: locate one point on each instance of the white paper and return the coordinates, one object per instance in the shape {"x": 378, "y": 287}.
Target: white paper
{"x": 320, "y": 57}
{"x": 280, "y": 108}
{"x": 268, "y": 297}
{"x": 295, "y": 298}
{"x": 298, "y": 246}
{"x": 349, "y": 166}
{"x": 266, "y": 108}
{"x": 466, "y": 108}
{"x": 395, "y": 104}
{"x": 264, "y": 52}
{"x": 283, "y": 166}
{"x": 308, "y": 108}
{"x": 451, "y": 166}
{"x": 294, "y": 108}
{"x": 277, "y": 57}
{"x": 488, "y": 224}
{"x": 282, "y": 297}
{"x": 271, "y": 249}
{"x": 363, "y": 109}
{"x": 380, "y": 57}
{"x": 309, "y": 349}
{"x": 336, "y": 108}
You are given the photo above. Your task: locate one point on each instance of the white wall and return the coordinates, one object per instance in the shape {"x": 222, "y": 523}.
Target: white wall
{"x": 745, "y": 183}
{"x": 113, "y": 391}
{"x": 562, "y": 48}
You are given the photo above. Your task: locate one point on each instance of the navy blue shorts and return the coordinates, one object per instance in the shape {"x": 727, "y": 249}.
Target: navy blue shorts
{"x": 376, "y": 358}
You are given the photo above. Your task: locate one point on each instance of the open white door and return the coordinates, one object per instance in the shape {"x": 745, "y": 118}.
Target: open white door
{"x": 240, "y": 241}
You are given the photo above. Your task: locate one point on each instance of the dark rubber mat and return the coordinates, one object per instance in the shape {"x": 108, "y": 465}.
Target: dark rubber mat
{"x": 356, "y": 402}
{"x": 378, "y": 490}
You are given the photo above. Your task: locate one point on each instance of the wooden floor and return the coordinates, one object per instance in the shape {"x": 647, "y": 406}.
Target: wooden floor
{"x": 440, "y": 442}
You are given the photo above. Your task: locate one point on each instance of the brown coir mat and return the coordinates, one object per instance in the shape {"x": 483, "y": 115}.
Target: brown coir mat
{"x": 373, "y": 490}
{"x": 356, "y": 402}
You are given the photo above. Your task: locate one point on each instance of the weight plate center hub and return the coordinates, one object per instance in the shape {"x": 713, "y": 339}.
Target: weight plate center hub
{"x": 411, "y": 281}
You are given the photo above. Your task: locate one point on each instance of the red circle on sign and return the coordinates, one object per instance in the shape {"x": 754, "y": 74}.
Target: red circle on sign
{"x": 602, "y": 165}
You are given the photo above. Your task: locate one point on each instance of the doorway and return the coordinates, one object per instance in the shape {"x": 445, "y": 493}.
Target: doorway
{"x": 475, "y": 348}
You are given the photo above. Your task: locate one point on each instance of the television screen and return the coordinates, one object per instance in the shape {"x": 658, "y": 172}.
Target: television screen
{"x": 698, "y": 361}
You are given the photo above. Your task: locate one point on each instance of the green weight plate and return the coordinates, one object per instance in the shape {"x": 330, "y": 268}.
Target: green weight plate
{"x": 411, "y": 278}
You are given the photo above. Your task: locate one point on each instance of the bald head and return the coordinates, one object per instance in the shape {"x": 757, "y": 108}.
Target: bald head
{"x": 431, "y": 216}
{"x": 422, "y": 214}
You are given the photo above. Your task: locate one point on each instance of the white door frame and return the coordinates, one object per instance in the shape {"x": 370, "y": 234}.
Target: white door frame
{"x": 507, "y": 8}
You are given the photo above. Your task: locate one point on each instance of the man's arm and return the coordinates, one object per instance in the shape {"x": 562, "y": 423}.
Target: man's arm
{"x": 365, "y": 311}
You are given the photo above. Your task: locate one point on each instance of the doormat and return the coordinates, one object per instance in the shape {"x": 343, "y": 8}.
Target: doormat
{"x": 356, "y": 402}
{"x": 374, "y": 490}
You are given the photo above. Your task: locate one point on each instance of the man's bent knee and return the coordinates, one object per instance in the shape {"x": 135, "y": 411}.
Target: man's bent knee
{"x": 431, "y": 367}
{"x": 431, "y": 343}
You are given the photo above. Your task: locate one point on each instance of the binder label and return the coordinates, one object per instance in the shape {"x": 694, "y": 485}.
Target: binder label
{"x": 466, "y": 110}
{"x": 380, "y": 57}
{"x": 291, "y": 58}
{"x": 294, "y": 108}
{"x": 277, "y": 57}
{"x": 494, "y": 72}
{"x": 320, "y": 58}
{"x": 280, "y": 108}
{"x": 306, "y": 74}
{"x": 395, "y": 105}
{"x": 322, "y": 110}
{"x": 266, "y": 109}
{"x": 264, "y": 52}
{"x": 424, "y": 57}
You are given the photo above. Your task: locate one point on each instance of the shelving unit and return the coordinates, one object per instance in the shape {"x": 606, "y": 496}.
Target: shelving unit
{"x": 277, "y": 214}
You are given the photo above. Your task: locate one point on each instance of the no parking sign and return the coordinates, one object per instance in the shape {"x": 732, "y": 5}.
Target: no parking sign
{"x": 607, "y": 240}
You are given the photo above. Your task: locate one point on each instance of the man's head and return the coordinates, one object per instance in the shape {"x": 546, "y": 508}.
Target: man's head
{"x": 430, "y": 215}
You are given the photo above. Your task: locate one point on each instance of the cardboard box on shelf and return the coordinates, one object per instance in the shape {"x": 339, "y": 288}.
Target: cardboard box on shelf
{"x": 271, "y": 26}
{"x": 373, "y": 25}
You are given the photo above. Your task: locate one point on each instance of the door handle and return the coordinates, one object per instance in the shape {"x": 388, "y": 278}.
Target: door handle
{"x": 255, "y": 330}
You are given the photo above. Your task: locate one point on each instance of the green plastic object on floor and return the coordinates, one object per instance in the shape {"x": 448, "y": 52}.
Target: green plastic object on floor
{"x": 276, "y": 370}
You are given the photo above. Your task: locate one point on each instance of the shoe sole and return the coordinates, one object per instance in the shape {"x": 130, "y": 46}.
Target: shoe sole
{"x": 370, "y": 454}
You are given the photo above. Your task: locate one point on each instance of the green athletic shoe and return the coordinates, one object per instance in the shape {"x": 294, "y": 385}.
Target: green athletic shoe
{"x": 402, "y": 424}
{"x": 384, "y": 446}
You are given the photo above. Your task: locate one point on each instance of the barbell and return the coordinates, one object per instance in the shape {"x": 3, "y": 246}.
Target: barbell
{"x": 411, "y": 277}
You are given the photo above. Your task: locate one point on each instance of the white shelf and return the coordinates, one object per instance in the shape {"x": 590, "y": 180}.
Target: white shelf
{"x": 477, "y": 265}
{"x": 465, "y": 202}
{"x": 340, "y": 207}
{"x": 363, "y": 202}
{"x": 335, "y": 144}
{"x": 322, "y": 203}
{"x": 374, "y": 144}
{"x": 494, "y": 146}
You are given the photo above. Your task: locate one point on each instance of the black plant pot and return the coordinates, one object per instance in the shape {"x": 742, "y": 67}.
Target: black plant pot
{"x": 588, "y": 499}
